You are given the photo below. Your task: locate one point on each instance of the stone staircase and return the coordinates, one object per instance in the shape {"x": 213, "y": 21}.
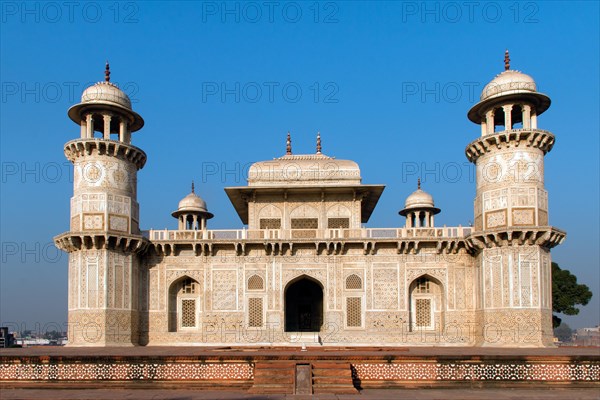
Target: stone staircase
{"x": 332, "y": 377}
{"x": 274, "y": 377}
{"x": 283, "y": 377}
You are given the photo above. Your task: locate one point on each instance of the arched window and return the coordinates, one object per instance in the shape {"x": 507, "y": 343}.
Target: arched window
{"x": 426, "y": 300}
{"x": 353, "y": 282}
{"x": 255, "y": 282}
{"x": 269, "y": 217}
{"x": 184, "y": 305}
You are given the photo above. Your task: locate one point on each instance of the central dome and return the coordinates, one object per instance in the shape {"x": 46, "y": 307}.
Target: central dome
{"x": 304, "y": 169}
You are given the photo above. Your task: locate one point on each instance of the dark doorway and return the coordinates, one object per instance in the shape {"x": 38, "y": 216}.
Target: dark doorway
{"x": 303, "y": 306}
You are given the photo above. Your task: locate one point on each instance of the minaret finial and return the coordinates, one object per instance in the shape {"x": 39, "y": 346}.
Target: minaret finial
{"x": 419, "y": 184}
{"x": 107, "y": 72}
{"x": 506, "y": 60}
{"x": 318, "y": 142}
{"x": 193, "y": 187}
{"x": 288, "y": 144}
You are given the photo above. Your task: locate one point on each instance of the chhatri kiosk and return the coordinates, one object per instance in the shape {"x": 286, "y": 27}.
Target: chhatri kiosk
{"x": 304, "y": 268}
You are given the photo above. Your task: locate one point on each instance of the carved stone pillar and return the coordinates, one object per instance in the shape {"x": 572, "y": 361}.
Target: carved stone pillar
{"x": 489, "y": 121}
{"x": 122, "y": 130}
{"x": 107, "y": 118}
{"x": 89, "y": 121}
{"x": 526, "y": 116}
{"x": 507, "y": 116}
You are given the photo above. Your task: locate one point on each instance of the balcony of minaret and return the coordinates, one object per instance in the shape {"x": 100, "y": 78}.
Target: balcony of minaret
{"x": 509, "y": 116}
{"x": 107, "y": 126}
{"x": 99, "y": 146}
{"x": 526, "y": 137}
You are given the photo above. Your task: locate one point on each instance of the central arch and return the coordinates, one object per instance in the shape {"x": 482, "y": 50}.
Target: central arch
{"x": 303, "y": 305}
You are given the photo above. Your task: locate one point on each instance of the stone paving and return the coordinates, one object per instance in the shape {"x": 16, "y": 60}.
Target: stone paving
{"x": 417, "y": 394}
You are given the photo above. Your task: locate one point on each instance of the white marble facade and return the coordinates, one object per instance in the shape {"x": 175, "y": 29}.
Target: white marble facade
{"x": 304, "y": 270}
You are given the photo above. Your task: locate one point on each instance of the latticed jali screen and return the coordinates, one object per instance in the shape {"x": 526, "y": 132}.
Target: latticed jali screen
{"x": 270, "y": 223}
{"x": 305, "y": 223}
{"x": 353, "y": 311}
{"x": 338, "y": 223}
{"x": 423, "y": 312}
{"x": 188, "y": 313}
{"x": 304, "y": 228}
{"x": 255, "y": 312}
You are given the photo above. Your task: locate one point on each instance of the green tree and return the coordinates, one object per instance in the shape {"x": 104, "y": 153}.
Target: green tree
{"x": 563, "y": 332}
{"x": 567, "y": 293}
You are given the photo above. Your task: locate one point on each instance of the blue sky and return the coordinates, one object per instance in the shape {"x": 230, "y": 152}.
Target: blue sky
{"x": 388, "y": 85}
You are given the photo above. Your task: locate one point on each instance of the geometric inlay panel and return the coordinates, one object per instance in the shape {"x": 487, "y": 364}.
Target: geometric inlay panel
{"x": 477, "y": 371}
{"x": 224, "y": 290}
{"x": 126, "y": 371}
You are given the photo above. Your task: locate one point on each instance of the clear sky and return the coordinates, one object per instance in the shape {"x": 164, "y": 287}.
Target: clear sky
{"x": 388, "y": 85}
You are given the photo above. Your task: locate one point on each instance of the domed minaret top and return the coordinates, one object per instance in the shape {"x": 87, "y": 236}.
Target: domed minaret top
{"x": 419, "y": 209}
{"x": 106, "y": 108}
{"x": 509, "y": 87}
{"x": 192, "y": 212}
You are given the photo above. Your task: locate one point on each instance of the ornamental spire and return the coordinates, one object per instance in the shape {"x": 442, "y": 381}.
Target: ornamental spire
{"x": 419, "y": 184}
{"x": 192, "y": 186}
{"x": 107, "y": 72}
{"x": 506, "y": 60}
{"x": 318, "y": 142}
{"x": 288, "y": 144}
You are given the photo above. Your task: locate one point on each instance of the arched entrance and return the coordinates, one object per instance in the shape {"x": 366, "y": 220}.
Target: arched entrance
{"x": 184, "y": 304}
{"x": 303, "y": 306}
{"x": 427, "y": 303}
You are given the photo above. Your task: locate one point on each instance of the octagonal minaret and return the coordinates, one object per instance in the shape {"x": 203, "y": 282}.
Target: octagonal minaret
{"x": 104, "y": 237}
{"x": 511, "y": 236}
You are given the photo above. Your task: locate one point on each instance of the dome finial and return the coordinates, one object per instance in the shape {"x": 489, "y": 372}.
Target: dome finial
{"x": 107, "y": 72}
{"x": 193, "y": 186}
{"x": 506, "y": 60}
{"x": 288, "y": 144}
{"x": 419, "y": 184}
{"x": 318, "y": 142}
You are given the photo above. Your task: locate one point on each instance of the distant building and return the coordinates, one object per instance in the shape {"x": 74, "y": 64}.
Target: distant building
{"x": 6, "y": 339}
{"x": 305, "y": 269}
{"x": 587, "y": 337}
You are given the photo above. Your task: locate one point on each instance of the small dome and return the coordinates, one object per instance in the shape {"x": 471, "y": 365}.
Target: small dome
{"x": 192, "y": 202}
{"x": 105, "y": 93}
{"x": 508, "y": 82}
{"x": 419, "y": 199}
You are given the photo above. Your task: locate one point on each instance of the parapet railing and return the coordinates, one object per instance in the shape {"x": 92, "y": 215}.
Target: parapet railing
{"x": 295, "y": 234}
